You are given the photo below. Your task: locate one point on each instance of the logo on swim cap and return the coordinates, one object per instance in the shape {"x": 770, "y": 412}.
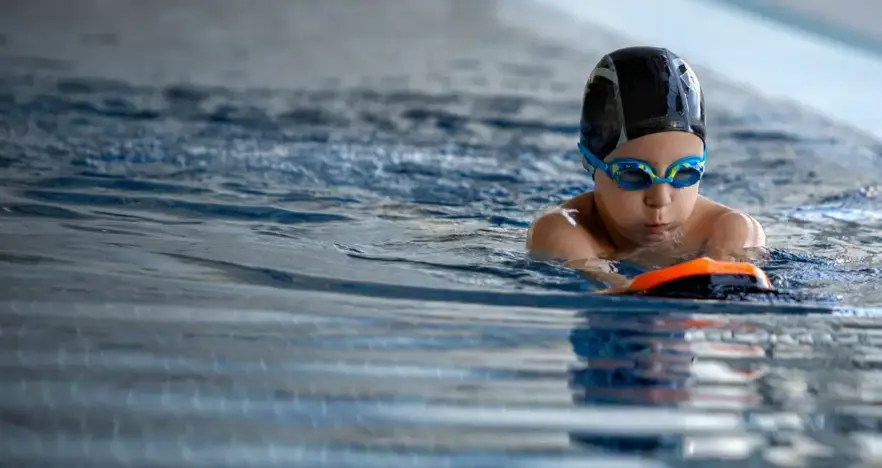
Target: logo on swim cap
{"x": 688, "y": 77}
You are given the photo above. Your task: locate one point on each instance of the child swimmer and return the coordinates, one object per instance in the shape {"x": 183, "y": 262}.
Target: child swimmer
{"x": 643, "y": 140}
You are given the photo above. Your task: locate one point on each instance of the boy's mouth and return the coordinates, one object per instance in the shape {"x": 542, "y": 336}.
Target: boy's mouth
{"x": 657, "y": 228}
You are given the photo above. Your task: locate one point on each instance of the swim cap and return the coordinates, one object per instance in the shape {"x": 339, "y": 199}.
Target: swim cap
{"x": 637, "y": 91}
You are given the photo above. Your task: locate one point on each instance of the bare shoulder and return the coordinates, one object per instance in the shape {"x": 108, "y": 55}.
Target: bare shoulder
{"x": 729, "y": 229}
{"x": 561, "y": 233}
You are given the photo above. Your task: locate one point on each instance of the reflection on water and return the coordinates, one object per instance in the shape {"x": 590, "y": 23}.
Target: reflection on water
{"x": 649, "y": 361}
{"x": 433, "y": 384}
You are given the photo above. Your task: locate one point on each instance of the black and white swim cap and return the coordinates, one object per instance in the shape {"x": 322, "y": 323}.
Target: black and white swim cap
{"x": 637, "y": 91}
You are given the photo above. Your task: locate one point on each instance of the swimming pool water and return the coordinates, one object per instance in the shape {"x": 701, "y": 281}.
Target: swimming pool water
{"x": 333, "y": 274}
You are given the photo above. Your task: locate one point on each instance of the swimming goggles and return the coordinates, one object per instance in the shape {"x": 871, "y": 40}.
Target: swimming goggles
{"x": 633, "y": 174}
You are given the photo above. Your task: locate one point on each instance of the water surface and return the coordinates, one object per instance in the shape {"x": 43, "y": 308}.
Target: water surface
{"x": 331, "y": 273}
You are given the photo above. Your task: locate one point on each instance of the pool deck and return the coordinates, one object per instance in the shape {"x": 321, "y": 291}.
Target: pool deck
{"x": 792, "y": 61}
{"x": 431, "y": 45}
{"x": 851, "y": 22}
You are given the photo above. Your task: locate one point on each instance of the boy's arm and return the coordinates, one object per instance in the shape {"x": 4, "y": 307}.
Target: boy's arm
{"x": 736, "y": 237}
{"x": 557, "y": 235}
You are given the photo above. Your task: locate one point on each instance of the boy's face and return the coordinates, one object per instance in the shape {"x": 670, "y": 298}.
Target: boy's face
{"x": 657, "y": 214}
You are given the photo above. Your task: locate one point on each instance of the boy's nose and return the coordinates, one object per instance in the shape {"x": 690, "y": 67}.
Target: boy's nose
{"x": 658, "y": 195}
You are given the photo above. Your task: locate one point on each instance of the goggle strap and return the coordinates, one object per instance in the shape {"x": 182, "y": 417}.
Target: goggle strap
{"x": 589, "y": 161}
{"x": 588, "y": 167}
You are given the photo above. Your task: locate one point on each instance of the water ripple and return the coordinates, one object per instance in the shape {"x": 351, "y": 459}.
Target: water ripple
{"x": 204, "y": 275}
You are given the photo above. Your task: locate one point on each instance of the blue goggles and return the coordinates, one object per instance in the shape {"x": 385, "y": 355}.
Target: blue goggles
{"x": 633, "y": 174}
